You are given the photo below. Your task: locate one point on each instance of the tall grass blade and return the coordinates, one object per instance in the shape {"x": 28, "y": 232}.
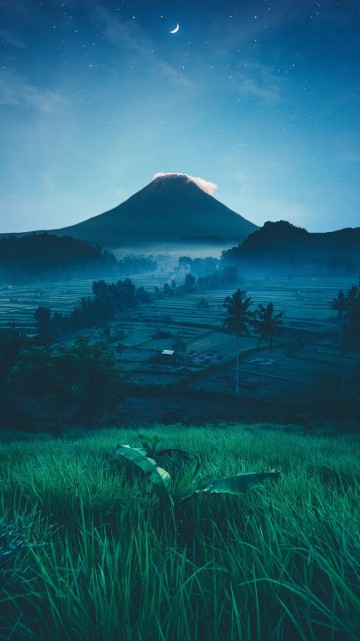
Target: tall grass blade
{"x": 186, "y": 486}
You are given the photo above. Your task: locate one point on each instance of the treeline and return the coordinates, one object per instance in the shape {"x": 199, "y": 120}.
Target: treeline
{"x": 198, "y": 266}
{"x": 107, "y": 301}
{"x": 110, "y": 299}
{"x": 219, "y": 279}
{"x": 285, "y": 249}
{"x": 40, "y": 256}
{"x": 132, "y": 264}
{"x": 207, "y": 273}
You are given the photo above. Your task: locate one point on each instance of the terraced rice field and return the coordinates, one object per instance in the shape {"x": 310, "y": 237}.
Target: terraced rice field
{"x": 18, "y": 303}
{"x": 304, "y": 301}
{"x": 210, "y": 352}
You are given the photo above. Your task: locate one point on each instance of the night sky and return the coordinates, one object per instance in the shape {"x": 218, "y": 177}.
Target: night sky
{"x": 260, "y": 97}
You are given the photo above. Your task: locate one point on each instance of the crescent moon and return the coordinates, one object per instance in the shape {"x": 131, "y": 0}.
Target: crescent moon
{"x": 176, "y": 28}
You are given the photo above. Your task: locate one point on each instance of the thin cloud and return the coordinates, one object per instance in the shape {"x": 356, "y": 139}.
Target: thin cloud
{"x": 12, "y": 39}
{"x": 132, "y": 40}
{"x": 14, "y": 90}
{"x": 265, "y": 88}
{"x": 126, "y": 34}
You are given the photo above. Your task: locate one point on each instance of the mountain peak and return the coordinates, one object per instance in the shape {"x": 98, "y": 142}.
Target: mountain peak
{"x": 161, "y": 179}
{"x": 172, "y": 208}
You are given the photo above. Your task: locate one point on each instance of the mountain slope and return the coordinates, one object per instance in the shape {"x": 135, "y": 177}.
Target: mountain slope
{"x": 171, "y": 209}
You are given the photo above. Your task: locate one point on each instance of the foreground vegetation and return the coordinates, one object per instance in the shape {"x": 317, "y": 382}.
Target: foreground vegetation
{"x": 88, "y": 551}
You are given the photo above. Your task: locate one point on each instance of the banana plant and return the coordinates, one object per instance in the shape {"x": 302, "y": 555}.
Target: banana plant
{"x": 188, "y": 485}
{"x": 159, "y": 478}
{"x": 150, "y": 444}
{"x": 151, "y": 448}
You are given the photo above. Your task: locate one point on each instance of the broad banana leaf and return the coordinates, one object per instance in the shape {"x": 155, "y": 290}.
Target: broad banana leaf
{"x": 239, "y": 483}
{"x": 151, "y": 444}
{"x": 158, "y": 477}
{"x": 186, "y": 486}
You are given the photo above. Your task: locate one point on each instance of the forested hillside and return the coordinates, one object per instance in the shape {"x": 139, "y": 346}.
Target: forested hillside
{"x": 42, "y": 256}
{"x": 283, "y": 248}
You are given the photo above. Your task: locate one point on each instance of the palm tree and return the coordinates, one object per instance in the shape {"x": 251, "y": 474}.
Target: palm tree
{"x": 267, "y": 324}
{"x": 341, "y": 303}
{"x": 237, "y": 321}
{"x": 352, "y": 295}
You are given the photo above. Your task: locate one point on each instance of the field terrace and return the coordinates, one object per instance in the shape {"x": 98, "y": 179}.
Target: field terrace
{"x": 306, "y": 359}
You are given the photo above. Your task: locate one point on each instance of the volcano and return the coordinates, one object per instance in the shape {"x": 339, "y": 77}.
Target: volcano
{"x": 171, "y": 209}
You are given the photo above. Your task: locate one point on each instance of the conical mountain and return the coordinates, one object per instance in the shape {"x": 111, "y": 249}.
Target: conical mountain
{"x": 172, "y": 209}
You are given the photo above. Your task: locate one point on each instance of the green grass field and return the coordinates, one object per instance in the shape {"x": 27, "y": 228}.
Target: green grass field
{"x": 88, "y": 553}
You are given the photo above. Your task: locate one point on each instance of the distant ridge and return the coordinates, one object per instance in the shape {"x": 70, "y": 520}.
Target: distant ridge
{"x": 280, "y": 247}
{"x": 171, "y": 209}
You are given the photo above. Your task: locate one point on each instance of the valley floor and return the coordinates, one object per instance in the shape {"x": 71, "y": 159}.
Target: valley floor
{"x": 310, "y": 374}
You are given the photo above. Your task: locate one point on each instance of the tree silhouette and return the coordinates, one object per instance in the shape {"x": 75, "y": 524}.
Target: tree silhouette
{"x": 190, "y": 283}
{"x": 340, "y": 304}
{"x": 267, "y": 324}
{"x": 203, "y": 304}
{"x": 81, "y": 380}
{"x": 42, "y": 317}
{"x": 237, "y": 321}
{"x": 352, "y": 294}
{"x": 344, "y": 303}
{"x": 348, "y": 312}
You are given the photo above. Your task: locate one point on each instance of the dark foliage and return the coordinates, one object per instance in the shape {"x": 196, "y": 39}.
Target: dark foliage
{"x": 198, "y": 266}
{"x": 283, "y": 248}
{"x": 107, "y": 301}
{"x": 136, "y": 264}
{"x": 219, "y": 279}
{"x": 76, "y": 382}
{"x": 347, "y": 306}
{"x": 238, "y": 315}
{"x": 237, "y": 321}
{"x": 206, "y": 273}
{"x": 190, "y": 283}
{"x": 352, "y": 322}
{"x": 43, "y": 320}
{"x": 39, "y": 256}
{"x": 11, "y": 344}
{"x": 267, "y": 324}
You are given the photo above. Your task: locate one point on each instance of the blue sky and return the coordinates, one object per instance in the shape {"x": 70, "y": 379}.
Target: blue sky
{"x": 260, "y": 97}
